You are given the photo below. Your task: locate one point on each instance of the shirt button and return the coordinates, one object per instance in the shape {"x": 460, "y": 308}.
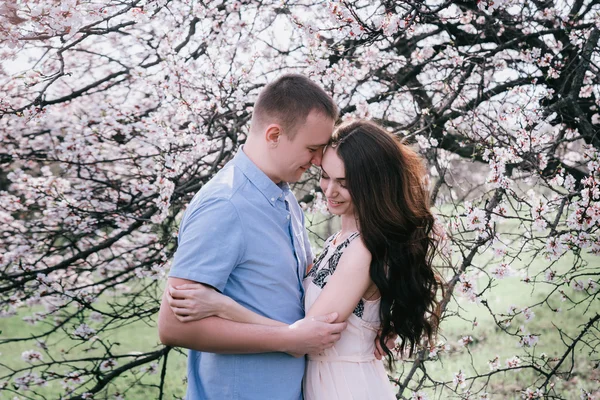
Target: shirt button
{"x": 288, "y": 217}
{"x": 272, "y": 198}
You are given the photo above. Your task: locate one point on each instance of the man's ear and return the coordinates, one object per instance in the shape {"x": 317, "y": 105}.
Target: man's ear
{"x": 273, "y": 134}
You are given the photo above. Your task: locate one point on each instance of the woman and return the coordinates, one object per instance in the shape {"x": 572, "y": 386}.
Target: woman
{"x": 376, "y": 272}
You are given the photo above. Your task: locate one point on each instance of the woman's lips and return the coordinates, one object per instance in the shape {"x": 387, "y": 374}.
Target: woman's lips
{"x": 332, "y": 203}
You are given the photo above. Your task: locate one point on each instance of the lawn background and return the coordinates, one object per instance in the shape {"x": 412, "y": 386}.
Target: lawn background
{"x": 488, "y": 343}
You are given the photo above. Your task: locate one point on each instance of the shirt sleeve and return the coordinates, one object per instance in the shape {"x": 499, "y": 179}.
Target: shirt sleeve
{"x": 211, "y": 243}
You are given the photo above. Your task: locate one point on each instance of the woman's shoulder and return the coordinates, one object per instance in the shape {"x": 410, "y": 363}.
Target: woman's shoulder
{"x": 357, "y": 251}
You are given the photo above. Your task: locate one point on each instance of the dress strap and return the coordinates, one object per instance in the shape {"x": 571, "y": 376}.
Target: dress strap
{"x": 347, "y": 241}
{"x": 353, "y": 236}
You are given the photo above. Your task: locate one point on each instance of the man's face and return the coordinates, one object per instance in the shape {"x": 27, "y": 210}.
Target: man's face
{"x": 295, "y": 156}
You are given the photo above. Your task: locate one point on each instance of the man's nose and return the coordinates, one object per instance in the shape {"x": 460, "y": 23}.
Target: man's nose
{"x": 317, "y": 157}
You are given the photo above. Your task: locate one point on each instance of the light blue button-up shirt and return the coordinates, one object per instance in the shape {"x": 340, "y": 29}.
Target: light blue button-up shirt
{"x": 245, "y": 235}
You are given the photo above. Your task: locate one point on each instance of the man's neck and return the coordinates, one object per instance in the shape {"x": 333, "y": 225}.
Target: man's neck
{"x": 257, "y": 156}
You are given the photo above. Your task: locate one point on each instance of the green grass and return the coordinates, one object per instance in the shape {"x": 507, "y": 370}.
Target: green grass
{"x": 132, "y": 339}
{"x": 488, "y": 342}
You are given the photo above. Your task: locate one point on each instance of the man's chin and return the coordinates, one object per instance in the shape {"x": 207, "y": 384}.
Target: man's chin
{"x": 298, "y": 175}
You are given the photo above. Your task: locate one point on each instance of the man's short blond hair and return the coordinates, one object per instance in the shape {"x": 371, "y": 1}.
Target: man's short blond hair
{"x": 288, "y": 100}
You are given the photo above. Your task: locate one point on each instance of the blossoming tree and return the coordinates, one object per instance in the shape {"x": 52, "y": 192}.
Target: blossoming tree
{"x": 114, "y": 114}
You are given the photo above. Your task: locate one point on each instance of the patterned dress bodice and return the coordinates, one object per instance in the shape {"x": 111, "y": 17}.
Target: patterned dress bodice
{"x": 326, "y": 263}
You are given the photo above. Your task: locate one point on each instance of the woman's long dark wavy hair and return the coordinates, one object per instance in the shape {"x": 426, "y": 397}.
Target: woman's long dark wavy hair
{"x": 385, "y": 180}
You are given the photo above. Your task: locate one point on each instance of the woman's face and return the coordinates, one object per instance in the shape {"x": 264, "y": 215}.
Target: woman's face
{"x": 333, "y": 184}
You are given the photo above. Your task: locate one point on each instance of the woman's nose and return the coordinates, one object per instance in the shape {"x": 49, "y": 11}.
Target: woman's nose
{"x": 330, "y": 189}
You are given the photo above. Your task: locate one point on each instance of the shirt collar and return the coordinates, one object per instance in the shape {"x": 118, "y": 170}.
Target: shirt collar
{"x": 265, "y": 185}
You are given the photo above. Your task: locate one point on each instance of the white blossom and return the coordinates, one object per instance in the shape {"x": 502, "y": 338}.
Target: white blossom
{"x": 528, "y": 314}
{"x": 108, "y": 364}
{"x": 494, "y": 364}
{"x": 513, "y": 362}
{"x": 502, "y": 271}
{"x": 31, "y": 355}
{"x": 419, "y": 396}
{"x": 83, "y": 331}
{"x": 465, "y": 341}
{"x": 459, "y": 379}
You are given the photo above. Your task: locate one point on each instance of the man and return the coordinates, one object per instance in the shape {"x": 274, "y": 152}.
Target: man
{"x": 244, "y": 235}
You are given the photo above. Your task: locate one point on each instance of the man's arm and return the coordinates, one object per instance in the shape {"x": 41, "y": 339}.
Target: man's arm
{"x": 192, "y": 302}
{"x": 217, "y": 335}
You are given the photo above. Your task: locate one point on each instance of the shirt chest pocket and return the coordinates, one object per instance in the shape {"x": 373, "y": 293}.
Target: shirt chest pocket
{"x": 300, "y": 247}
{"x": 298, "y": 233}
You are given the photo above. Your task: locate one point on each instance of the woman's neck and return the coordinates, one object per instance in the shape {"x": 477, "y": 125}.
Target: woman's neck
{"x": 349, "y": 224}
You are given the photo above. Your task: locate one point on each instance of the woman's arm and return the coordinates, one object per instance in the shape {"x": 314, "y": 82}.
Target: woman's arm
{"x": 347, "y": 285}
{"x": 195, "y": 301}
{"x": 344, "y": 289}
{"x": 218, "y": 335}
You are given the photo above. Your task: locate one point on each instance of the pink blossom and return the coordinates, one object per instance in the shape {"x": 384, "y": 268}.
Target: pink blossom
{"x": 549, "y": 275}
{"x": 532, "y": 394}
{"x": 502, "y": 271}
{"x": 555, "y": 248}
{"x": 84, "y": 332}
{"x": 459, "y": 379}
{"x": 108, "y": 364}
{"x": 528, "y": 314}
{"x": 577, "y": 285}
{"x": 72, "y": 379}
{"x": 585, "y": 395}
{"x": 467, "y": 287}
{"x": 150, "y": 369}
{"x": 476, "y": 219}
{"x": 25, "y": 382}
{"x": 419, "y": 396}
{"x": 495, "y": 363}
{"x": 513, "y": 362}
{"x": 31, "y": 355}
{"x": 586, "y": 91}
{"x": 529, "y": 340}
{"x": 465, "y": 341}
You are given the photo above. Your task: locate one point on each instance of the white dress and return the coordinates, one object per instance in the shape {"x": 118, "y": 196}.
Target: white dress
{"x": 349, "y": 369}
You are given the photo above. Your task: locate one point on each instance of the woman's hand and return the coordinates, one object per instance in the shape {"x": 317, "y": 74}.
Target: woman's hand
{"x": 390, "y": 343}
{"x": 194, "y": 301}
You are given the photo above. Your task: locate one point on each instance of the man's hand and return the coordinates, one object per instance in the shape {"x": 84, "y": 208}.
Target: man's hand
{"x": 390, "y": 343}
{"x": 194, "y": 301}
{"x": 315, "y": 334}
